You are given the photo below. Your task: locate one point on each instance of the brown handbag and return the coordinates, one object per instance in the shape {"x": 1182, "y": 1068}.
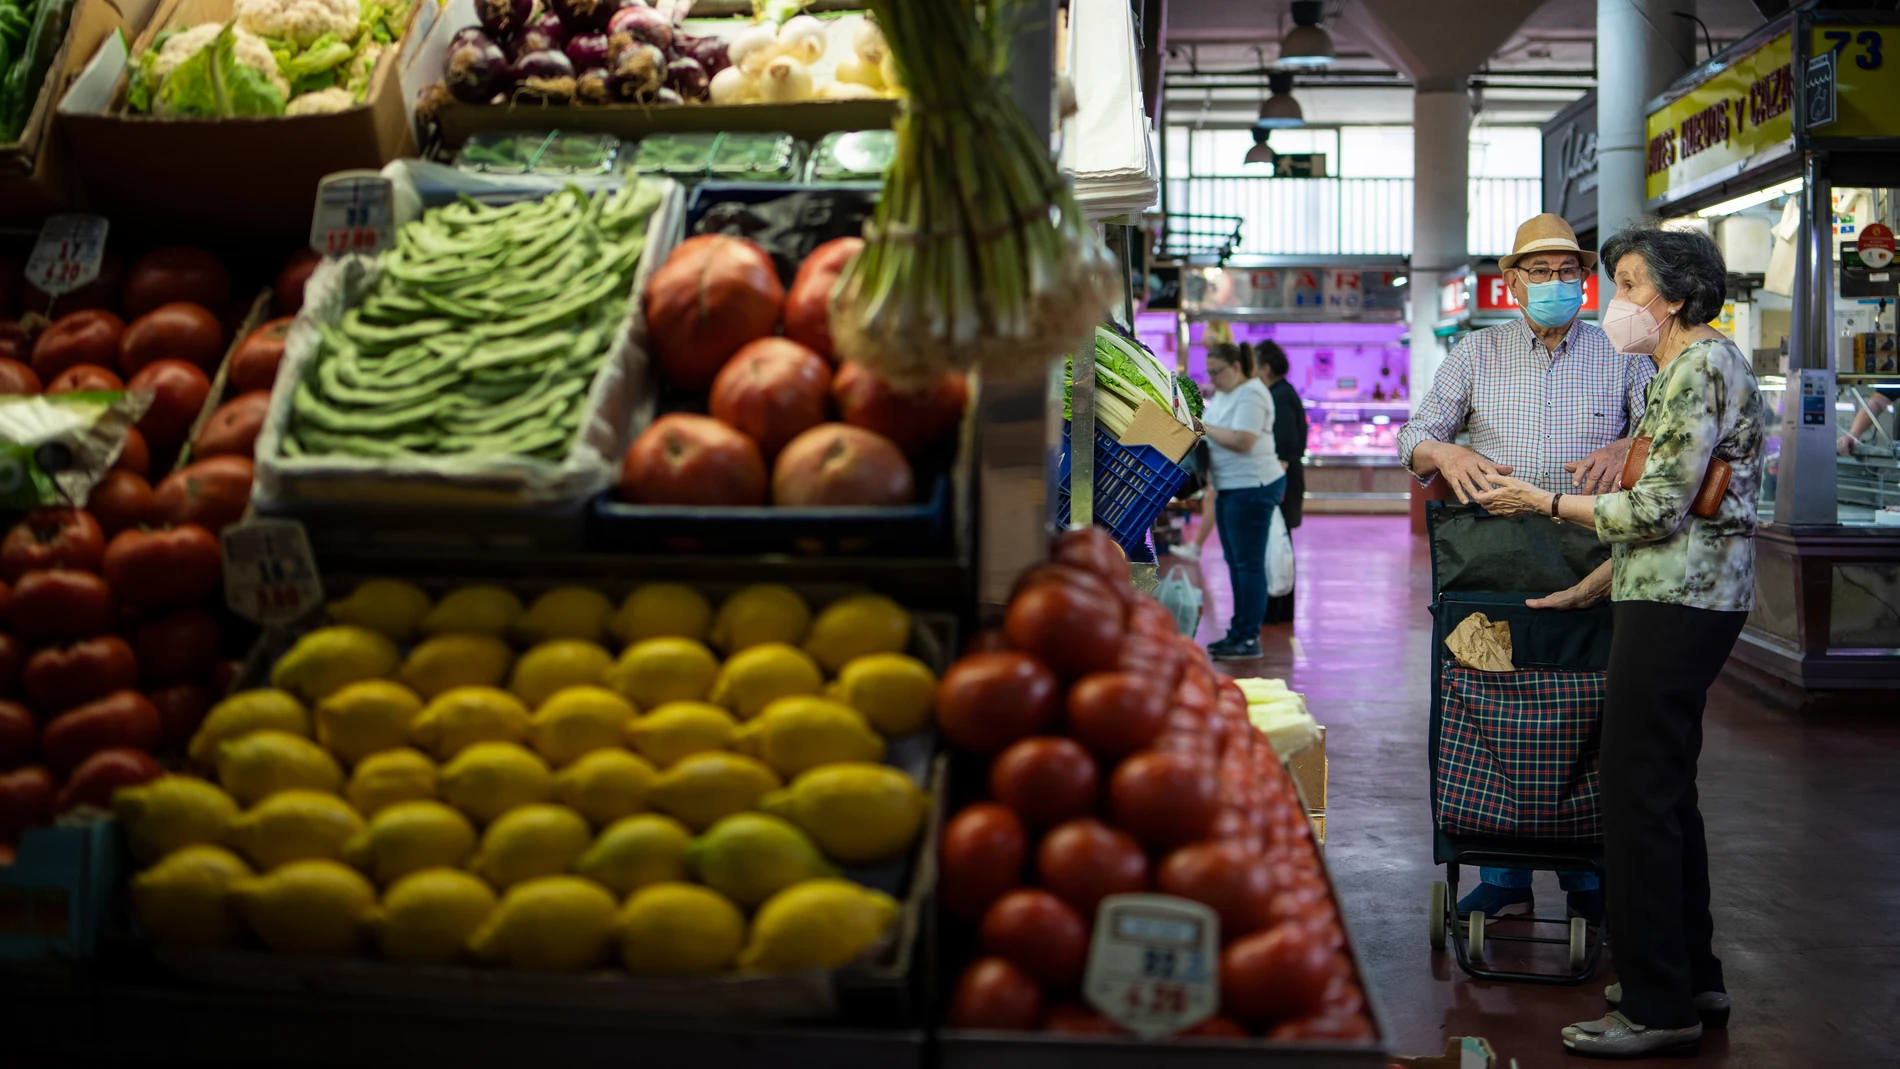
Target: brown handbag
{"x": 1708, "y": 496}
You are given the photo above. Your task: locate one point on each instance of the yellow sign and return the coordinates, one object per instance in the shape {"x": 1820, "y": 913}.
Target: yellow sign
{"x": 1720, "y": 127}
{"x": 1866, "y": 79}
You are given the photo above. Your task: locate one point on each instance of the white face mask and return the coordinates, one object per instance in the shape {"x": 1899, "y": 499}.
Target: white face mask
{"x": 1631, "y": 326}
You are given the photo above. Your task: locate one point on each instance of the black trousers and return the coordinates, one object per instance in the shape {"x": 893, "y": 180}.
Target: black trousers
{"x": 1663, "y": 658}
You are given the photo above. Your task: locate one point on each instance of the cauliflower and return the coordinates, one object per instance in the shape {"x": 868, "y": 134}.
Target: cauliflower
{"x": 251, "y": 51}
{"x": 299, "y": 21}
{"x": 365, "y": 62}
{"x": 322, "y": 102}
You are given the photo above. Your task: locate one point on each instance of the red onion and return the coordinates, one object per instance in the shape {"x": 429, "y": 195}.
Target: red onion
{"x": 533, "y": 39}
{"x": 643, "y": 24}
{"x": 550, "y": 22}
{"x": 584, "y": 16}
{"x": 636, "y": 72}
{"x": 503, "y": 18}
{"x": 475, "y": 69}
{"x": 687, "y": 78}
{"x": 545, "y": 76}
{"x": 664, "y": 95}
{"x": 588, "y": 51}
{"x": 710, "y": 51}
{"x": 593, "y": 87}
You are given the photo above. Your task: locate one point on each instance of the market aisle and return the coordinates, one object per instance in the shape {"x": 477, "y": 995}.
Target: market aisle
{"x": 1806, "y": 861}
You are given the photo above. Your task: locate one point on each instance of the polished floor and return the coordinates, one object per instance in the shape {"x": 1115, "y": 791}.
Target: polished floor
{"x": 1803, "y": 814}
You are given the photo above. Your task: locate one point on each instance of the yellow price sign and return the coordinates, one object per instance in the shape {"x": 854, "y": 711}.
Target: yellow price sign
{"x": 1866, "y": 79}
{"x": 1737, "y": 118}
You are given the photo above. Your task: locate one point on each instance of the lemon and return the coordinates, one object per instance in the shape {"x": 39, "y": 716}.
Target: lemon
{"x": 294, "y": 826}
{"x": 408, "y": 837}
{"x": 429, "y": 915}
{"x": 658, "y": 610}
{"x": 704, "y": 787}
{"x": 184, "y": 900}
{"x": 473, "y": 610}
{"x": 442, "y": 663}
{"x": 306, "y": 907}
{"x": 860, "y": 813}
{"x": 555, "y": 666}
{"x": 388, "y": 607}
{"x": 462, "y": 717}
{"x": 365, "y": 718}
{"x": 566, "y": 612}
{"x": 636, "y": 851}
{"x": 262, "y": 763}
{"x": 894, "y": 692}
{"x": 677, "y": 929}
{"x": 383, "y": 779}
{"x": 553, "y": 924}
{"x": 490, "y": 778}
{"x": 660, "y": 670}
{"x": 534, "y": 840}
{"x": 679, "y": 729}
{"x": 800, "y": 733}
{"x": 577, "y": 721}
{"x": 241, "y": 714}
{"x": 749, "y": 857}
{"x": 767, "y": 612}
{"x": 818, "y": 924}
{"x": 331, "y": 658}
{"x": 857, "y": 626}
{"x": 605, "y": 785}
{"x": 171, "y": 813}
{"x": 756, "y": 678}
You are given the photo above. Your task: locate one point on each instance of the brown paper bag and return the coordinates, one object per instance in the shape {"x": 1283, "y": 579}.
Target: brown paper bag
{"x": 1480, "y": 644}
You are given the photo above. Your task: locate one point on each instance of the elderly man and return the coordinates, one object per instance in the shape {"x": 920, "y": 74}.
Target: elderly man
{"x": 1548, "y": 399}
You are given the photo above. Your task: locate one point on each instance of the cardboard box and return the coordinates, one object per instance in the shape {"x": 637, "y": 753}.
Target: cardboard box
{"x": 244, "y": 179}
{"x": 1308, "y": 768}
{"x": 1874, "y": 353}
{"x": 36, "y": 172}
{"x": 1156, "y": 426}
{"x": 1461, "y": 1052}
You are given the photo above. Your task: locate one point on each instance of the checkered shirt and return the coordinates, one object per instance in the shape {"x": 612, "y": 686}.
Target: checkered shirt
{"x": 1528, "y": 407}
{"x": 1517, "y": 754}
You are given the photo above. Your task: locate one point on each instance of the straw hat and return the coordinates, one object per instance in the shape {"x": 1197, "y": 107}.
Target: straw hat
{"x": 1546, "y": 233}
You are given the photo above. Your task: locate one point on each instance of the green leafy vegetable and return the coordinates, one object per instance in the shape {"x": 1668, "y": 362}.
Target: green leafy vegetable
{"x": 214, "y": 84}
{"x": 1190, "y": 394}
{"x": 324, "y": 53}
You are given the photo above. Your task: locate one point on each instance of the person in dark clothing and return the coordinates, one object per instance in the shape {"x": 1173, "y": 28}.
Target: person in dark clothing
{"x": 1289, "y": 441}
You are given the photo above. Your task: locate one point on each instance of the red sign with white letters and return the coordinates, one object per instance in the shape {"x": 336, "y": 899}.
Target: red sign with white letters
{"x": 1494, "y": 295}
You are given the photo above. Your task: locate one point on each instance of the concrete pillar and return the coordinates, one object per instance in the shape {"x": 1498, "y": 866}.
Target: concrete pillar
{"x": 1441, "y": 152}
{"x": 1642, "y": 45}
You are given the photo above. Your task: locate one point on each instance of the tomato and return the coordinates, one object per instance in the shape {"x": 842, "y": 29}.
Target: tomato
{"x": 1165, "y": 799}
{"x": 1075, "y": 1019}
{"x": 1276, "y": 975}
{"x": 19, "y": 734}
{"x": 1343, "y": 995}
{"x": 224, "y": 677}
{"x": 134, "y": 456}
{"x": 61, "y": 605}
{"x": 85, "y": 378}
{"x": 213, "y": 493}
{"x": 175, "y": 331}
{"x": 12, "y": 663}
{"x": 179, "y": 390}
{"x": 176, "y": 648}
{"x": 994, "y": 994}
{"x": 807, "y": 317}
{"x": 1039, "y": 934}
{"x": 1092, "y": 549}
{"x": 1226, "y": 877}
{"x": 254, "y": 361}
{"x": 1146, "y": 616}
{"x": 121, "y": 500}
{"x": 99, "y": 776}
{"x": 1071, "y": 630}
{"x": 123, "y": 718}
{"x": 1069, "y": 577}
{"x": 1085, "y": 861}
{"x": 287, "y": 295}
{"x": 1216, "y": 1027}
{"x": 52, "y": 538}
{"x": 177, "y": 273}
{"x": 1341, "y": 1027}
{"x": 164, "y": 569}
{"x": 181, "y": 708}
{"x": 1046, "y": 780}
{"x": 988, "y": 640}
{"x": 17, "y": 378}
{"x": 1156, "y": 663}
{"x": 26, "y": 801}
{"x": 90, "y": 337}
{"x": 232, "y": 430}
{"x": 988, "y": 700}
{"x": 59, "y": 678}
{"x": 1117, "y": 713}
{"x": 981, "y": 858}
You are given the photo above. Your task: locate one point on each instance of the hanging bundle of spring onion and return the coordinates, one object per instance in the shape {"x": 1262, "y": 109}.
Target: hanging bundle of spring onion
{"x": 977, "y": 254}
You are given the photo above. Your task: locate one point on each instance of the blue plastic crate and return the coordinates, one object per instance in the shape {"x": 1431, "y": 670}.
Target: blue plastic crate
{"x": 1132, "y": 485}
{"x": 57, "y": 892}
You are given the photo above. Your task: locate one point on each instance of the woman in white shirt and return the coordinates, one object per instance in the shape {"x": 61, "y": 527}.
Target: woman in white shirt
{"x": 1248, "y": 482}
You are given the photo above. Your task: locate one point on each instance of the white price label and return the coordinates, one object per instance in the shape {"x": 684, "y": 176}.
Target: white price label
{"x": 68, "y": 252}
{"x": 270, "y": 575}
{"x": 1154, "y": 963}
{"x": 356, "y": 212}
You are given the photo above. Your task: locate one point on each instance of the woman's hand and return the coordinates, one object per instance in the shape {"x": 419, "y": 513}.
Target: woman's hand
{"x": 1514, "y": 497}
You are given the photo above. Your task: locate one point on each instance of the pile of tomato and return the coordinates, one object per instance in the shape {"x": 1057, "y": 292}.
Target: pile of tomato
{"x": 1118, "y": 760}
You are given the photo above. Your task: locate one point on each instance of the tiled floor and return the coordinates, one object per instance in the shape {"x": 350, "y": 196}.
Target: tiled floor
{"x": 1803, "y": 815}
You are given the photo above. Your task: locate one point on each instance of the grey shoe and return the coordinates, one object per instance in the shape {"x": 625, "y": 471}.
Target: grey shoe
{"x": 1712, "y": 1006}
{"x": 1616, "y": 1036}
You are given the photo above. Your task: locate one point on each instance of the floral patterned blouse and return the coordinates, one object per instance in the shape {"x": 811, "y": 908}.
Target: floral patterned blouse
{"x": 1704, "y": 404}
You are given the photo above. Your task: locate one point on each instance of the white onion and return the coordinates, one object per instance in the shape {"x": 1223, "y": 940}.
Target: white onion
{"x": 802, "y": 37}
{"x": 887, "y": 70}
{"x": 733, "y": 86}
{"x": 868, "y": 41}
{"x": 857, "y": 72}
{"x": 848, "y": 91}
{"x": 752, "y": 48}
{"x": 785, "y": 81}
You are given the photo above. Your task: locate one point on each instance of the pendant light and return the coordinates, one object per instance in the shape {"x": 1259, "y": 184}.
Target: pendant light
{"x": 1306, "y": 45}
{"x": 1280, "y": 111}
{"x": 1261, "y": 152}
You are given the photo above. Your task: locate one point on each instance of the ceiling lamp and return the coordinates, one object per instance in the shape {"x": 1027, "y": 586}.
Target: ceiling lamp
{"x": 1306, "y": 45}
{"x": 1280, "y": 111}
{"x": 1260, "y": 152}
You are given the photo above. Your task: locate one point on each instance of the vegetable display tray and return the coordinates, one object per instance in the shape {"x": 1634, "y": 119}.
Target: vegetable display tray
{"x": 58, "y": 892}
{"x": 1132, "y": 485}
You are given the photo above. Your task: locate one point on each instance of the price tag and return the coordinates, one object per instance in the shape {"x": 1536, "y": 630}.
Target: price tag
{"x": 270, "y": 576}
{"x": 356, "y": 212}
{"x": 68, "y": 252}
{"x": 1154, "y": 963}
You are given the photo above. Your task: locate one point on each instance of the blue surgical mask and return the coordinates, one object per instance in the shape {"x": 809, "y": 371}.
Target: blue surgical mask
{"x": 1553, "y": 303}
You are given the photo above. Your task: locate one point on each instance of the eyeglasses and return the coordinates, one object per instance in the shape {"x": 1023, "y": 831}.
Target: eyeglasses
{"x": 1543, "y": 274}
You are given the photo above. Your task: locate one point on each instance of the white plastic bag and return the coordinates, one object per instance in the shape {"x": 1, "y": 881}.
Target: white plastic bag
{"x": 1279, "y": 558}
{"x": 1181, "y": 598}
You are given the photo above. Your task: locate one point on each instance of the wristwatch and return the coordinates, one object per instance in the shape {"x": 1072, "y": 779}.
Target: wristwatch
{"x": 1554, "y": 499}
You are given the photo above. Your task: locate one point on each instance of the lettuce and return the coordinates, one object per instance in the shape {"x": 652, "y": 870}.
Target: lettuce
{"x": 214, "y": 84}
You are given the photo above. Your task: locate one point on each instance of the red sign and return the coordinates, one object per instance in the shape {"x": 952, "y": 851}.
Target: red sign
{"x": 1876, "y": 245}
{"x": 1451, "y": 299}
{"x": 1494, "y": 295}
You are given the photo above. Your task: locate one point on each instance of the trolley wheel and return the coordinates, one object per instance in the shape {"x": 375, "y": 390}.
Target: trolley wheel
{"x": 1579, "y": 935}
{"x": 1441, "y": 898}
{"x": 1474, "y": 936}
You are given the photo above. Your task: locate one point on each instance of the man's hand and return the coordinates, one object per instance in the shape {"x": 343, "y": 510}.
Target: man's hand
{"x": 1601, "y": 471}
{"x": 1468, "y": 473}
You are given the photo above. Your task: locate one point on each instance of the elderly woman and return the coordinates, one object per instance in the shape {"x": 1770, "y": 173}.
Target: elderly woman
{"x": 1683, "y": 583}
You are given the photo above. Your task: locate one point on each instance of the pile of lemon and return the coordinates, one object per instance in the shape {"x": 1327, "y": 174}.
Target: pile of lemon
{"x": 556, "y": 808}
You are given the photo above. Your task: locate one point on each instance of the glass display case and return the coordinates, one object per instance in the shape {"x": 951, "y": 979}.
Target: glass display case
{"x": 1355, "y": 428}
{"x": 1867, "y": 464}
